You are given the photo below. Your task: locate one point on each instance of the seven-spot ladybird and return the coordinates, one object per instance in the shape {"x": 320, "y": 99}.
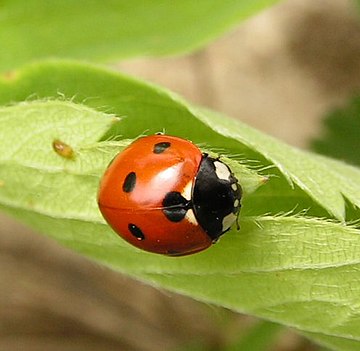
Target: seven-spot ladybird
{"x": 163, "y": 195}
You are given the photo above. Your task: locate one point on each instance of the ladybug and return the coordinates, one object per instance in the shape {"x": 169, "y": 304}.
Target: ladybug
{"x": 163, "y": 195}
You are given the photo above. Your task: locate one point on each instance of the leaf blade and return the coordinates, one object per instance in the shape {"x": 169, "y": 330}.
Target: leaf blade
{"x": 282, "y": 268}
{"x": 300, "y": 167}
{"x": 110, "y": 30}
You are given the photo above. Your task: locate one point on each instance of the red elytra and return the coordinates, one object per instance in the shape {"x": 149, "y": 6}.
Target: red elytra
{"x": 133, "y": 189}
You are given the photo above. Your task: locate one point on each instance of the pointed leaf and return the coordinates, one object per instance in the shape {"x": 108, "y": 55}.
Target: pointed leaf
{"x": 284, "y": 265}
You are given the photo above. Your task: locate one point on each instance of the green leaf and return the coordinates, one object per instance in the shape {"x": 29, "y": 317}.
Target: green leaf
{"x": 259, "y": 338}
{"x": 325, "y": 183}
{"x": 28, "y": 131}
{"x": 285, "y": 265}
{"x": 109, "y": 30}
{"x": 340, "y": 137}
{"x": 32, "y": 160}
{"x": 140, "y": 103}
{"x": 335, "y": 342}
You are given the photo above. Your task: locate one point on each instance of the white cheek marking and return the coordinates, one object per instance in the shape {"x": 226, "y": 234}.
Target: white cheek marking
{"x": 234, "y": 186}
{"x": 191, "y": 217}
{"x": 228, "y": 221}
{"x": 222, "y": 171}
{"x": 186, "y": 193}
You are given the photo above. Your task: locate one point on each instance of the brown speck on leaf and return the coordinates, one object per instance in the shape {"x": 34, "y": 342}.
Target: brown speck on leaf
{"x": 62, "y": 149}
{"x": 9, "y": 75}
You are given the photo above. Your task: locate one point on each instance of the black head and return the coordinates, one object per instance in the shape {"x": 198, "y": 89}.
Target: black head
{"x": 216, "y": 197}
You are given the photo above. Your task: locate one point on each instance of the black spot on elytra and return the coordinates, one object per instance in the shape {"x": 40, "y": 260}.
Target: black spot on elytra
{"x": 129, "y": 182}
{"x": 136, "y": 231}
{"x": 161, "y": 147}
{"x": 175, "y": 206}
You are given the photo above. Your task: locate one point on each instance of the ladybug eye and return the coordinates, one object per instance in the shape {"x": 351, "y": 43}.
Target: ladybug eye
{"x": 129, "y": 182}
{"x": 161, "y": 147}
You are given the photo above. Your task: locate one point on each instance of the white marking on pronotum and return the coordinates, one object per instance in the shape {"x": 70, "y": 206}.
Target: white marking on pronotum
{"x": 191, "y": 217}
{"x": 186, "y": 193}
{"x": 234, "y": 186}
{"x": 236, "y": 203}
{"x": 228, "y": 221}
{"x": 221, "y": 170}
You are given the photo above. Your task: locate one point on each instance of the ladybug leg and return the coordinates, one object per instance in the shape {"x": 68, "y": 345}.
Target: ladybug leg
{"x": 237, "y": 221}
